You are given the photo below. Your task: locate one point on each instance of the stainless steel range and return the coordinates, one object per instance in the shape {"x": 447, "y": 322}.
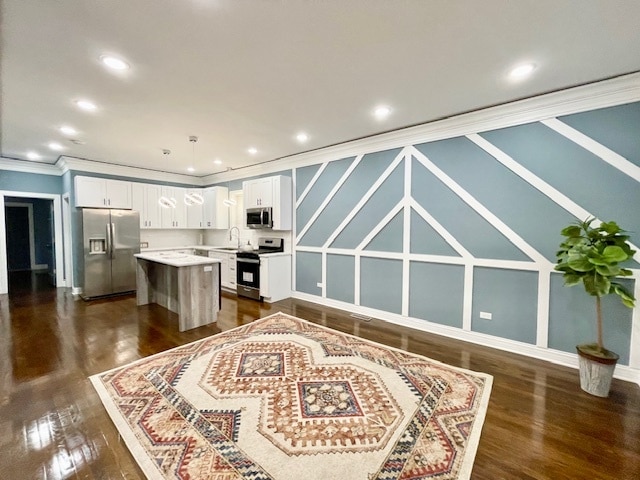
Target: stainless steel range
{"x": 248, "y": 266}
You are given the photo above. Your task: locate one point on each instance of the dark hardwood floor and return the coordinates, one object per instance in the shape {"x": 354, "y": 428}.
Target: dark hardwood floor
{"x": 539, "y": 425}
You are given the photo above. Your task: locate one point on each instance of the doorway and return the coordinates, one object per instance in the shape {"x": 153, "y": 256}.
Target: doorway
{"x": 47, "y": 257}
{"x": 30, "y": 244}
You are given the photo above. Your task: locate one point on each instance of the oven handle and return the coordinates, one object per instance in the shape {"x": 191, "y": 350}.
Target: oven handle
{"x": 247, "y": 260}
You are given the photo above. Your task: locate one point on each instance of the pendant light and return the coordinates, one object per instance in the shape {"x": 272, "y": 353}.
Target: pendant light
{"x": 193, "y": 198}
{"x": 228, "y": 202}
{"x": 166, "y": 202}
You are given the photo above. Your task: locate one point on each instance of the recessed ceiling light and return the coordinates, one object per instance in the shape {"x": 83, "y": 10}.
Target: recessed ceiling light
{"x": 67, "y": 130}
{"x": 55, "y": 146}
{"x": 191, "y": 169}
{"x": 33, "y": 156}
{"x": 217, "y": 161}
{"x": 522, "y": 71}
{"x": 302, "y": 137}
{"x": 382, "y": 112}
{"x": 86, "y": 105}
{"x": 114, "y": 63}
{"x": 252, "y": 150}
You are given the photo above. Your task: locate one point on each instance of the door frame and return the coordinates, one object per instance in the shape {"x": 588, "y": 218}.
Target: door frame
{"x": 57, "y": 235}
{"x": 66, "y": 227}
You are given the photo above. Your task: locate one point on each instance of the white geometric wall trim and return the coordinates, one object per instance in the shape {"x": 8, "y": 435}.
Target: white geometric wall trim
{"x": 612, "y": 158}
{"x": 329, "y": 197}
{"x": 378, "y": 228}
{"x": 311, "y": 183}
{"x": 554, "y": 194}
{"x": 404, "y": 208}
{"x": 483, "y": 211}
{"x": 365, "y": 198}
{"x": 437, "y": 226}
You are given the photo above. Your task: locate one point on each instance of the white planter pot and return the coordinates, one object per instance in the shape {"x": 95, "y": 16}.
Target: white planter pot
{"x": 596, "y": 372}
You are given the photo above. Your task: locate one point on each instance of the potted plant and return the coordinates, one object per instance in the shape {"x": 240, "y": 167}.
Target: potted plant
{"x": 592, "y": 256}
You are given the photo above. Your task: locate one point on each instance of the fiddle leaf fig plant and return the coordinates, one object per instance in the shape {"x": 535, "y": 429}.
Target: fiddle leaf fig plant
{"x": 592, "y": 255}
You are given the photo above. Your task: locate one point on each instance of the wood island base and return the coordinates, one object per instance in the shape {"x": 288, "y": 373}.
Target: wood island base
{"x": 191, "y": 291}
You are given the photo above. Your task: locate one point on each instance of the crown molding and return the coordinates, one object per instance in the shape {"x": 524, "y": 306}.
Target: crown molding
{"x": 65, "y": 164}
{"x": 28, "y": 167}
{"x": 606, "y": 93}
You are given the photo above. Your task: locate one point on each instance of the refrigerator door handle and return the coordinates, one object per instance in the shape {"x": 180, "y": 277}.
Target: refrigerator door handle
{"x": 109, "y": 240}
{"x": 113, "y": 240}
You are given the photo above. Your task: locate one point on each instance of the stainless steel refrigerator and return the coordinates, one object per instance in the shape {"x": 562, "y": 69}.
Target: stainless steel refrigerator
{"x": 110, "y": 237}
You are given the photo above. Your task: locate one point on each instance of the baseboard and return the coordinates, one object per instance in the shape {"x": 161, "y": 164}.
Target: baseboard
{"x": 558, "y": 357}
{"x": 76, "y": 291}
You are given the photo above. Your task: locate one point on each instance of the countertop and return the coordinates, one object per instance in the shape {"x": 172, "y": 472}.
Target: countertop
{"x": 175, "y": 259}
{"x": 221, "y": 249}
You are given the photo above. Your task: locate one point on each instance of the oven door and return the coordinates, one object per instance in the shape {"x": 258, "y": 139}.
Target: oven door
{"x": 248, "y": 277}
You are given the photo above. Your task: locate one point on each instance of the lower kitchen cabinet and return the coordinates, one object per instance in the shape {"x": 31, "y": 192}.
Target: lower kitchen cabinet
{"x": 275, "y": 277}
{"x": 227, "y": 268}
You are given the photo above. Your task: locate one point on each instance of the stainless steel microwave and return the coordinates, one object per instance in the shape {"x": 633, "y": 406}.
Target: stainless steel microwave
{"x": 259, "y": 218}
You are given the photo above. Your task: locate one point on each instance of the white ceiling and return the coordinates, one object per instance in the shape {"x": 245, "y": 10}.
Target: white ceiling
{"x": 241, "y": 73}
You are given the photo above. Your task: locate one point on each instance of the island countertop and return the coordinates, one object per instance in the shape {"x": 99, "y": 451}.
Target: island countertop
{"x": 175, "y": 259}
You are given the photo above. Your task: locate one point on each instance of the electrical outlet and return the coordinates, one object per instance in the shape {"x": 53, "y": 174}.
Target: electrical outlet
{"x": 319, "y": 285}
{"x": 144, "y": 244}
{"x": 485, "y": 315}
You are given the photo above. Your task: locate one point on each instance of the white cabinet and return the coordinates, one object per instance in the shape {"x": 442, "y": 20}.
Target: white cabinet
{"x": 194, "y": 200}
{"x": 227, "y": 268}
{"x": 274, "y": 192}
{"x": 275, "y": 277}
{"x": 102, "y": 193}
{"x": 145, "y": 199}
{"x": 258, "y": 193}
{"x": 216, "y": 213}
{"x": 173, "y": 209}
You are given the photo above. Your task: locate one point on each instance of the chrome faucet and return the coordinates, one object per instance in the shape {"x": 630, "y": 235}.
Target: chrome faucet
{"x": 237, "y": 234}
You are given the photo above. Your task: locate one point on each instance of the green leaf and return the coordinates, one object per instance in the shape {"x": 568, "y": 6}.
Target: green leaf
{"x": 580, "y": 263}
{"x": 571, "y": 231}
{"x": 613, "y": 254}
{"x": 596, "y": 285}
{"x": 571, "y": 279}
{"x": 626, "y": 296}
{"x": 610, "y": 227}
{"x": 608, "y": 270}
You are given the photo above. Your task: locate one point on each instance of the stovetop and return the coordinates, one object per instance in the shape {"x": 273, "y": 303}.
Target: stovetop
{"x": 265, "y": 245}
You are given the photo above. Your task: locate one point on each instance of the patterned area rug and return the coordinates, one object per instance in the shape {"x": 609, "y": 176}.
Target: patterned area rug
{"x": 282, "y": 398}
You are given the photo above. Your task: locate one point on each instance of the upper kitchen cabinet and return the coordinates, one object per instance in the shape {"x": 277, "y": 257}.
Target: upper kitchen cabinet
{"x": 146, "y": 199}
{"x": 102, "y": 193}
{"x": 274, "y": 192}
{"x": 258, "y": 193}
{"x": 216, "y": 213}
{"x": 194, "y": 200}
{"x": 173, "y": 207}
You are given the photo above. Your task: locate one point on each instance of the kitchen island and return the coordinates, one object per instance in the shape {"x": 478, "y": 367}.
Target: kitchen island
{"x": 188, "y": 285}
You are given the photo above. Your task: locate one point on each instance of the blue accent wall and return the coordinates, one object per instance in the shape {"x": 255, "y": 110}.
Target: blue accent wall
{"x": 341, "y": 277}
{"x": 511, "y": 296}
{"x": 436, "y": 293}
{"x": 30, "y": 182}
{"x": 459, "y": 194}
{"x": 381, "y": 284}
{"x": 309, "y": 272}
{"x": 600, "y": 188}
{"x": 614, "y": 127}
